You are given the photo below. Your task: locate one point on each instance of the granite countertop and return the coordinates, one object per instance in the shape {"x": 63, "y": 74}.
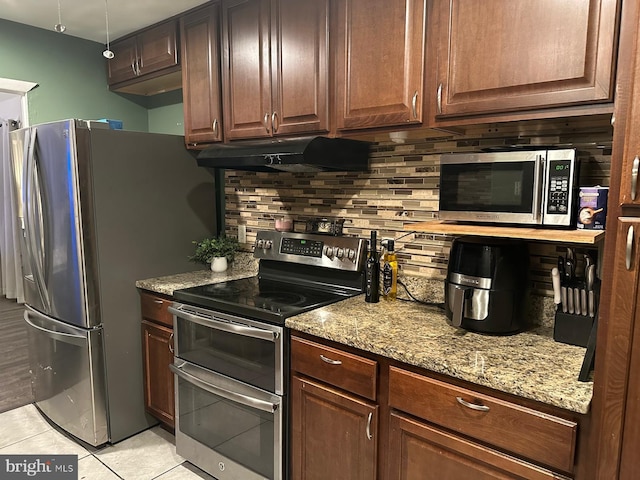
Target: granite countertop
{"x": 244, "y": 265}
{"x": 530, "y": 364}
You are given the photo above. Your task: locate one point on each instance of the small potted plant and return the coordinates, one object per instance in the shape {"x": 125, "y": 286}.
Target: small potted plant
{"x": 217, "y": 251}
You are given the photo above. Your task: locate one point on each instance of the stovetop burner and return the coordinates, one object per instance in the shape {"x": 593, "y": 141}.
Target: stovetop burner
{"x": 298, "y": 272}
{"x": 257, "y": 298}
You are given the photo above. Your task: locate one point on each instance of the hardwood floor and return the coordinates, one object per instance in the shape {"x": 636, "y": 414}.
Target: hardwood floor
{"x": 15, "y": 383}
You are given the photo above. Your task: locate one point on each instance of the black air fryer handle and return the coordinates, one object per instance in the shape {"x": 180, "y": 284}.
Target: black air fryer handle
{"x": 460, "y": 295}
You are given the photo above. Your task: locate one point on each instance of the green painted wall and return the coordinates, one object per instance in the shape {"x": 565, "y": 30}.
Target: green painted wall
{"x": 71, "y": 74}
{"x": 166, "y": 113}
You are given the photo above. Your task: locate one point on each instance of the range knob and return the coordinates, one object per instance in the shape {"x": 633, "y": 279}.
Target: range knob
{"x": 351, "y": 254}
{"x": 340, "y": 253}
{"x": 268, "y": 244}
{"x": 328, "y": 251}
{"x": 260, "y": 243}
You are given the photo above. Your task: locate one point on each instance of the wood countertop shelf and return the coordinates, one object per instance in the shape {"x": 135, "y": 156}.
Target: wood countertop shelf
{"x": 582, "y": 237}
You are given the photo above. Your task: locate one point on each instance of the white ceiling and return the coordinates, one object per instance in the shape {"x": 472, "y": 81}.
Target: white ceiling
{"x": 86, "y": 18}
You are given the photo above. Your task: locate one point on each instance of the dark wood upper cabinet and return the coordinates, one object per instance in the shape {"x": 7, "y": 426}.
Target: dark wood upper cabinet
{"x": 274, "y": 67}
{"x": 147, "y": 52}
{"x": 513, "y": 55}
{"x": 379, "y": 62}
{"x": 201, "y": 89}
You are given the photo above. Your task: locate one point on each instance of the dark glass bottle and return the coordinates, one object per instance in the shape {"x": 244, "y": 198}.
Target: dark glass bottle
{"x": 372, "y": 272}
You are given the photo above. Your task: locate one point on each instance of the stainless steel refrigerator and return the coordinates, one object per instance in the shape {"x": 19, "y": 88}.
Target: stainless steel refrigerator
{"x": 99, "y": 210}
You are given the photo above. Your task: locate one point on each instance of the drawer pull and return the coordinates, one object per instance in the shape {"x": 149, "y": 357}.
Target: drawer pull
{"x": 472, "y": 406}
{"x": 369, "y": 436}
{"x": 329, "y": 361}
{"x": 159, "y": 302}
{"x": 170, "y": 344}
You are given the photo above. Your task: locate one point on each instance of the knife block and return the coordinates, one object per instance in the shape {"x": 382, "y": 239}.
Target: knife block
{"x": 575, "y": 329}
{"x": 572, "y": 329}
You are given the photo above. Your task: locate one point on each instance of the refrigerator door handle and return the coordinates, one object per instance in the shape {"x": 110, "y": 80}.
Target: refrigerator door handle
{"x": 70, "y": 338}
{"x": 33, "y": 209}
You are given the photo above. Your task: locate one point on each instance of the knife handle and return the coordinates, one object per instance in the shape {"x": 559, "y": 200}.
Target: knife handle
{"x": 563, "y": 294}
{"x": 583, "y": 302}
{"x": 555, "y": 280}
{"x": 570, "y": 299}
{"x": 576, "y": 301}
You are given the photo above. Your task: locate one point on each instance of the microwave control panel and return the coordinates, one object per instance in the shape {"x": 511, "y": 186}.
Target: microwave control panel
{"x": 560, "y": 186}
{"x": 561, "y": 174}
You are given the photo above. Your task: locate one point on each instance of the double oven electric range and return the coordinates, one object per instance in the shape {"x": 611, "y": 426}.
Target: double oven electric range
{"x": 232, "y": 351}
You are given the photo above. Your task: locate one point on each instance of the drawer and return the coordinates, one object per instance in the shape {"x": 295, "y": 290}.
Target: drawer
{"x": 155, "y": 308}
{"x": 344, "y": 370}
{"x": 543, "y": 438}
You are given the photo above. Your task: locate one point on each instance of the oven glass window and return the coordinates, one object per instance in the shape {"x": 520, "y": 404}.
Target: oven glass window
{"x": 243, "y": 434}
{"x": 487, "y": 187}
{"x": 247, "y": 359}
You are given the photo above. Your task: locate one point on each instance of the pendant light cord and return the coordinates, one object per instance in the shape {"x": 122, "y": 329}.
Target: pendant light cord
{"x": 106, "y": 18}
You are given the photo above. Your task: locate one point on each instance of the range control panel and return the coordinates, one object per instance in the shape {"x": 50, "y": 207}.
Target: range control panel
{"x": 343, "y": 253}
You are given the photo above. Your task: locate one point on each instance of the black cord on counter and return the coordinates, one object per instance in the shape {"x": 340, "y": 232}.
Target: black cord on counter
{"x": 414, "y": 299}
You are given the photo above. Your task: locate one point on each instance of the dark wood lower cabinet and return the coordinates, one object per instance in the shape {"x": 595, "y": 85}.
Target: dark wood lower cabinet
{"x": 157, "y": 350}
{"x": 418, "y": 451}
{"x": 334, "y": 434}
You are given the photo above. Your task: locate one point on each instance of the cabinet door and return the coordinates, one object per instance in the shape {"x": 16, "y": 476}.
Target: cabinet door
{"x": 418, "y": 451}
{"x": 629, "y": 182}
{"x": 507, "y": 55}
{"x": 380, "y": 53}
{"x": 624, "y": 308}
{"x": 300, "y": 72}
{"x": 201, "y": 91}
{"x": 334, "y": 435}
{"x": 157, "y": 48}
{"x": 123, "y": 65}
{"x": 157, "y": 350}
{"x": 246, "y": 74}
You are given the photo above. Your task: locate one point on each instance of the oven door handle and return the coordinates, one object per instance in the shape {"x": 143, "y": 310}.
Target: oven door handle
{"x": 233, "y": 396}
{"x": 227, "y": 327}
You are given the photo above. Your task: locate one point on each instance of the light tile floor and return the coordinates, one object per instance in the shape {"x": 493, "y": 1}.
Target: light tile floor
{"x": 149, "y": 455}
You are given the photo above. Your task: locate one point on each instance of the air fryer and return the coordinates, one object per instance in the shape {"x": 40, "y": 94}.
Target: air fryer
{"x": 486, "y": 285}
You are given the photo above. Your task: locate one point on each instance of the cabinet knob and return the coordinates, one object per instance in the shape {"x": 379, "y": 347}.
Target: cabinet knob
{"x": 634, "y": 177}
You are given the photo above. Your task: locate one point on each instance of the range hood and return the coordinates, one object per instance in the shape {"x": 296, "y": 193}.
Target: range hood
{"x": 305, "y": 154}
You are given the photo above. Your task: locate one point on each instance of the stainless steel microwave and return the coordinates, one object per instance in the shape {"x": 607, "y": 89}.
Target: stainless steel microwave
{"x": 522, "y": 187}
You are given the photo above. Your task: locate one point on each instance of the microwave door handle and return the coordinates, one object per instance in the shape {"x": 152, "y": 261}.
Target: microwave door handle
{"x": 539, "y": 187}
{"x": 226, "y": 327}
{"x": 233, "y": 396}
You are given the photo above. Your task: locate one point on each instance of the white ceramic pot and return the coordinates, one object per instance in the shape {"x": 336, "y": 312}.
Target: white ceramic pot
{"x": 219, "y": 264}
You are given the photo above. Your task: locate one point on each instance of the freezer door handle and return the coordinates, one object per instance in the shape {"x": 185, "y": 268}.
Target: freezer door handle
{"x": 60, "y": 336}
